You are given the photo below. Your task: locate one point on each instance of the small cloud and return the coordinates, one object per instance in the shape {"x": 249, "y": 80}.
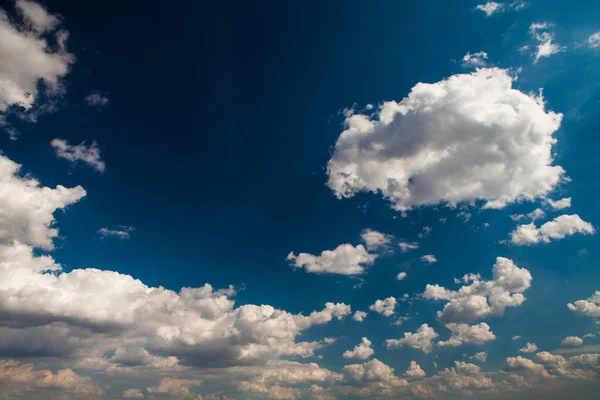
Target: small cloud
{"x": 546, "y": 46}
{"x": 475, "y": 60}
{"x": 96, "y": 99}
{"x": 79, "y": 153}
{"x": 429, "y": 258}
{"x": 120, "y": 232}
{"x": 401, "y": 276}
{"x": 359, "y": 316}
{"x": 594, "y": 40}
{"x": 407, "y": 246}
{"x": 528, "y": 348}
{"x": 572, "y": 341}
{"x": 516, "y": 337}
{"x": 426, "y": 232}
{"x": 559, "y": 204}
{"x": 490, "y": 8}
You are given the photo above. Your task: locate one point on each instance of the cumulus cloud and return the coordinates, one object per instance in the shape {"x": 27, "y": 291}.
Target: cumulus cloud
{"x": 528, "y": 348}
{"x": 132, "y": 394}
{"x": 546, "y": 47}
{"x": 482, "y": 298}
{"x": 401, "y": 276}
{"x": 375, "y": 240}
{"x": 475, "y": 60}
{"x": 79, "y": 153}
{"x": 361, "y": 351}
{"x": 490, "y": 7}
{"x": 372, "y": 371}
{"x": 516, "y": 337}
{"x": 594, "y": 40}
{"x": 588, "y": 308}
{"x": 429, "y": 259}
{"x": 359, "y": 316}
{"x": 34, "y": 56}
{"x": 448, "y": 143}
{"x": 422, "y": 339}
{"x": 96, "y": 99}
{"x": 481, "y": 356}
{"x": 407, "y": 246}
{"x": 572, "y": 341}
{"x": 384, "y": 307}
{"x": 120, "y": 232}
{"x": 558, "y": 228}
{"x": 414, "y": 370}
{"x": 344, "y": 260}
{"x": 521, "y": 363}
{"x": 465, "y": 334}
{"x": 559, "y": 204}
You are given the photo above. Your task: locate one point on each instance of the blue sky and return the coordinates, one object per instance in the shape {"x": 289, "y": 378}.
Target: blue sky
{"x": 281, "y": 153}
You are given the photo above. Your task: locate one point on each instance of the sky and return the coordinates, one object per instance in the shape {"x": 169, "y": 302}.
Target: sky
{"x": 285, "y": 200}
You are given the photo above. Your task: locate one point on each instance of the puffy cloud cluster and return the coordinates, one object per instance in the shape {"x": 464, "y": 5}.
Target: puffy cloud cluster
{"x": 385, "y": 307}
{"x": 588, "y": 308}
{"x": 30, "y": 62}
{"x": 558, "y": 228}
{"x": 346, "y": 259}
{"x": 422, "y": 339}
{"x": 572, "y": 341}
{"x": 414, "y": 370}
{"x": 559, "y": 204}
{"x": 528, "y": 348}
{"x": 79, "y": 153}
{"x": 361, "y": 351}
{"x": 482, "y": 298}
{"x": 465, "y": 334}
{"x": 481, "y": 356}
{"x": 466, "y": 138}
{"x": 478, "y": 59}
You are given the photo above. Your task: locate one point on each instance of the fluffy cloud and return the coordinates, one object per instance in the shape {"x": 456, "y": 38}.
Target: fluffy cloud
{"x": 481, "y": 356}
{"x": 401, "y": 276}
{"x": 528, "y": 348}
{"x": 132, "y": 394}
{"x": 521, "y": 363}
{"x": 359, "y": 316}
{"x": 482, "y": 299}
{"x": 17, "y": 378}
{"x": 429, "y": 259}
{"x": 572, "y": 341}
{"x": 79, "y": 153}
{"x": 490, "y": 7}
{"x": 406, "y": 246}
{"x": 120, "y": 232}
{"x": 546, "y": 46}
{"x": 30, "y": 62}
{"x": 447, "y": 142}
{"x": 375, "y": 240}
{"x": 465, "y": 334}
{"x": 414, "y": 370}
{"x": 559, "y": 204}
{"x": 422, "y": 339}
{"x": 384, "y": 307}
{"x": 594, "y": 40}
{"x": 361, "y": 351}
{"x": 588, "y": 308}
{"x": 174, "y": 387}
{"x": 558, "y": 228}
{"x": 478, "y": 59}
{"x": 372, "y": 371}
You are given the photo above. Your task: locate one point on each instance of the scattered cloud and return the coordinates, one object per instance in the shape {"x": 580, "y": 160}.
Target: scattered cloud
{"x": 96, "y": 99}
{"x": 359, "y": 316}
{"x": 490, "y": 8}
{"x": 422, "y": 339}
{"x": 411, "y": 154}
{"x": 375, "y": 240}
{"x": 559, "y": 204}
{"x": 361, "y": 351}
{"x": 528, "y": 348}
{"x": 475, "y": 60}
{"x": 516, "y": 337}
{"x": 120, "y": 232}
{"x": 594, "y": 40}
{"x": 546, "y": 47}
{"x": 588, "y": 308}
{"x": 572, "y": 341}
{"x": 414, "y": 371}
{"x": 344, "y": 260}
{"x": 407, "y": 246}
{"x": 558, "y": 228}
{"x": 384, "y": 307}
{"x": 465, "y": 334}
{"x": 429, "y": 259}
{"x": 79, "y": 153}
{"x": 132, "y": 394}
{"x": 481, "y": 356}
{"x": 401, "y": 276}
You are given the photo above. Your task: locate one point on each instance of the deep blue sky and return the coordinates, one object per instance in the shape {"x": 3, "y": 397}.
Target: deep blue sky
{"x": 222, "y": 118}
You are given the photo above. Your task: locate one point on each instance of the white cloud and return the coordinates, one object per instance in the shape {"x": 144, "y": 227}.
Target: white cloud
{"x": 546, "y": 46}
{"x": 406, "y": 246}
{"x": 475, "y": 60}
{"x": 359, "y": 316}
{"x": 414, "y": 370}
{"x": 429, "y": 259}
{"x": 422, "y": 339}
{"x": 520, "y": 363}
{"x": 516, "y": 337}
{"x": 132, "y": 394}
{"x": 481, "y": 356}
{"x": 559, "y": 204}
{"x": 174, "y": 387}
{"x": 401, "y": 276}
{"x": 594, "y": 40}
{"x": 361, "y": 351}
{"x": 96, "y": 99}
{"x": 17, "y": 378}
{"x": 384, "y": 307}
{"x": 528, "y": 348}
{"x": 558, "y": 228}
{"x": 465, "y": 334}
{"x": 375, "y": 240}
{"x": 589, "y": 308}
{"x": 344, "y": 260}
{"x": 28, "y": 58}
{"x": 483, "y": 298}
{"x": 120, "y": 232}
{"x": 572, "y": 341}
{"x": 447, "y": 142}
{"x": 81, "y": 152}
{"x": 372, "y": 371}
{"x": 490, "y": 7}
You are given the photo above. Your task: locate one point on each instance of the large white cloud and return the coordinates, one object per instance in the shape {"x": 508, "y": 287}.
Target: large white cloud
{"x": 482, "y": 298}
{"x": 588, "y": 308}
{"x": 28, "y": 58}
{"x": 558, "y": 228}
{"x": 469, "y": 137}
